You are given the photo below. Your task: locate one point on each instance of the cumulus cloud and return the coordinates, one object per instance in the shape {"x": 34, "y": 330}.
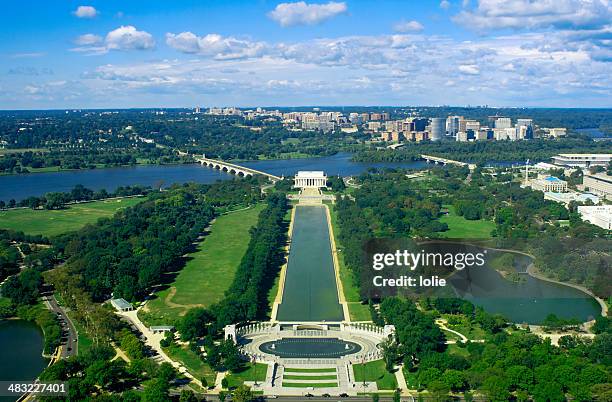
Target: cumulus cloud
{"x": 302, "y": 13}
{"x": 529, "y": 14}
{"x": 444, "y": 4}
{"x": 215, "y": 45}
{"x": 128, "y": 37}
{"x": 85, "y": 12}
{"x": 408, "y": 26}
{"x": 122, "y": 38}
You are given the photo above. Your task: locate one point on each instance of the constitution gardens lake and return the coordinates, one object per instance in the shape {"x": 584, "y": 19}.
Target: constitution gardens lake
{"x": 21, "y": 345}
{"x": 22, "y": 186}
{"x": 528, "y": 300}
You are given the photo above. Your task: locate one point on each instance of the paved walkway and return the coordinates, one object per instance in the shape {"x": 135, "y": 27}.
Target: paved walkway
{"x": 153, "y": 341}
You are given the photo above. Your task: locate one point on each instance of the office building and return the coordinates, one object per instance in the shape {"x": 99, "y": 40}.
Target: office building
{"x": 600, "y": 184}
{"x": 437, "y": 128}
{"x": 597, "y": 215}
{"x": 582, "y": 160}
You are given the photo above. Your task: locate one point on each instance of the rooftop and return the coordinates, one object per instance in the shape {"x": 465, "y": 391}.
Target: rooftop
{"x": 310, "y": 174}
{"x": 121, "y": 303}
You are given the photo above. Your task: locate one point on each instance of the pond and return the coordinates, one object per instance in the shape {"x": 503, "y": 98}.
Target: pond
{"x": 21, "y": 345}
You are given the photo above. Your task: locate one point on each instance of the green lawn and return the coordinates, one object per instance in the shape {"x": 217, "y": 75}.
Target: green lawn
{"x": 375, "y": 371}
{"x": 461, "y": 228}
{"x": 309, "y": 370}
{"x": 208, "y": 272}
{"x": 358, "y": 311}
{"x": 310, "y": 385}
{"x": 310, "y": 377}
{"x": 74, "y": 217}
{"x": 192, "y": 362}
{"x": 251, "y": 372}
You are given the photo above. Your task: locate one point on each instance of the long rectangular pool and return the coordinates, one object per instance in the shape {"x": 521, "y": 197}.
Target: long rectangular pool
{"x": 310, "y": 292}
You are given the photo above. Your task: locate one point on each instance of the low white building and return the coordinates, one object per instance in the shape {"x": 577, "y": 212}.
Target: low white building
{"x": 310, "y": 179}
{"x": 548, "y": 184}
{"x": 582, "y": 160}
{"x": 597, "y": 215}
{"x": 121, "y": 305}
{"x": 600, "y": 184}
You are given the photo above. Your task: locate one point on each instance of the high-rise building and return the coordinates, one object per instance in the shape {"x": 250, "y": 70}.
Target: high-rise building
{"x": 452, "y": 125}
{"x": 527, "y": 132}
{"x": 437, "y": 128}
{"x": 503, "y": 122}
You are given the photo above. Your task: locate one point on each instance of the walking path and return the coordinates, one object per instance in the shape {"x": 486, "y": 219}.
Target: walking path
{"x": 463, "y": 339}
{"x": 153, "y": 341}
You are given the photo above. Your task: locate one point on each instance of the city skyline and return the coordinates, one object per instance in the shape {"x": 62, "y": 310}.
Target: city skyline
{"x": 487, "y": 52}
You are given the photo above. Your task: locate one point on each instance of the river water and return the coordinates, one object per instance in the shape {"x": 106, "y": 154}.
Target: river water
{"x": 19, "y": 187}
{"x": 21, "y": 344}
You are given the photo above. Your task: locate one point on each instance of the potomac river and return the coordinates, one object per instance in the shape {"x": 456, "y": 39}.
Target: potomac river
{"x": 22, "y": 186}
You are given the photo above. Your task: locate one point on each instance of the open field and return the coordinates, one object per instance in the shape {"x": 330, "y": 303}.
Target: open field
{"x": 209, "y": 271}
{"x": 192, "y": 362}
{"x": 251, "y": 372}
{"x": 375, "y": 371}
{"x": 55, "y": 222}
{"x": 461, "y": 228}
{"x": 358, "y": 311}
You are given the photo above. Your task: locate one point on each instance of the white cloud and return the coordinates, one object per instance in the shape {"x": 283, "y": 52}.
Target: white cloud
{"x": 444, "y": 4}
{"x": 214, "y": 45}
{"x": 471, "y": 69}
{"x": 85, "y": 12}
{"x": 302, "y": 13}
{"x": 88, "y": 40}
{"x": 127, "y": 38}
{"x": 122, "y": 38}
{"x": 529, "y": 14}
{"x": 408, "y": 26}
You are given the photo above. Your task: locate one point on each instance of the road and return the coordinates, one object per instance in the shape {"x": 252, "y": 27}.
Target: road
{"x": 318, "y": 399}
{"x": 70, "y": 346}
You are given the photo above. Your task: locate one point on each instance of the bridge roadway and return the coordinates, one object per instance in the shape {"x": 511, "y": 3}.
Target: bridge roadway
{"x": 234, "y": 169}
{"x": 444, "y": 161}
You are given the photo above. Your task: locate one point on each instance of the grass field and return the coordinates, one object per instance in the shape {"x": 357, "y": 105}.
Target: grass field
{"x": 375, "y": 371}
{"x": 192, "y": 362}
{"x": 358, "y": 311}
{"x": 310, "y": 385}
{"x": 74, "y": 217}
{"x": 251, "y": 372}
{"x": 309, "y": 370}
{"x": 310, "y": 377}
{"x": 209, "y": 271}
{"x": 461, "y": 228}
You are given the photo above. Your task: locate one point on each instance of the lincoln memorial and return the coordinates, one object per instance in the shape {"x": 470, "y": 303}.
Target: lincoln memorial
{"x": 310, "y": 179}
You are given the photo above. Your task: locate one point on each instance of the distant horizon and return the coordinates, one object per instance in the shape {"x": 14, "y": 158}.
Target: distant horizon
{"x": 205, "y": 108}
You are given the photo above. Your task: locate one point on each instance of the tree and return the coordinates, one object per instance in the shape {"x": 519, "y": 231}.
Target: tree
{"x": 243, "y": 394}
{"x": 375, "y": 398}
{"x": 439, "y": 391}
{"x": 187, "y": 395}
{"x": 222, "y": 396}
{"x": 204, "y": 382}
{"x": 495, "y": 389}
{"x": 224, "y": 383}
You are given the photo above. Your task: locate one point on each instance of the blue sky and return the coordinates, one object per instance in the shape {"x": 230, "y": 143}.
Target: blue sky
{"x": 101, "y": 54}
